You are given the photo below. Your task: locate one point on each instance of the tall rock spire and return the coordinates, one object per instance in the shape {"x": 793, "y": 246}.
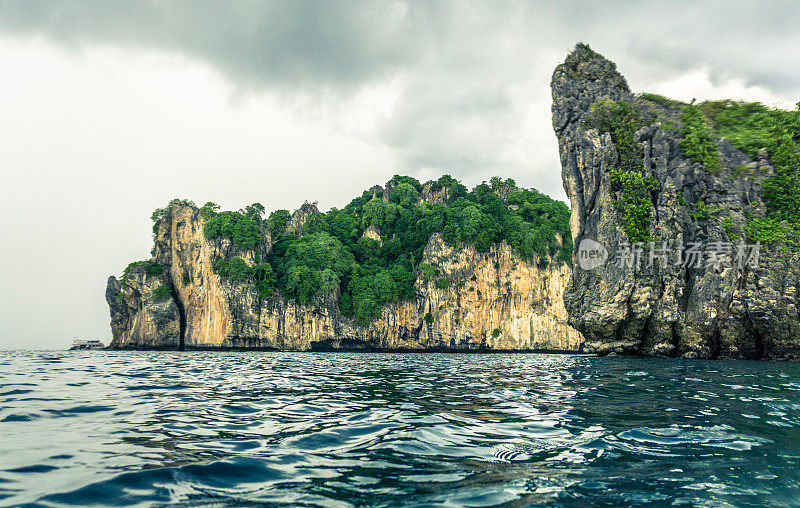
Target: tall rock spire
{"x": 628, "y": 180}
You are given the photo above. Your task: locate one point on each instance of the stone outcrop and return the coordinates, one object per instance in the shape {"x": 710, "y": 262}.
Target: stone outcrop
{"x": 138, "y": 316}
{"x": 474, "y": 301}
{"x": 710, "y": 311}
{"x": 433, "y": 194}
{"x": 300, "y": 216}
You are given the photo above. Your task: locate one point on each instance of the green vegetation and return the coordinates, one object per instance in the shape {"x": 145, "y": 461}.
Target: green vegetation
{"x": 237, "y": 270}
{"x": 156, "y": 217}
{"x": 751, "y": 127}
{"x": 332, "y": 255}
{"x": 241, "y": 227}
{"x": 634, "y": 202}
{"x": 209, "y": 209}
{"x": 315, "y": 223}
{"x": 662, "y": 101}
{"x": 632, "y": 188}
{"x": 151, "y": 268}
{"x": 772, "y": 230}
{"x": 234, "y": 269}
{"x": 697, "y": 143}
{"x": 621, "y": 120}
{"x": 454, "y": 188}
{"x": 161, "y": 293}
{"x": 496, "y": 332}
{"x": 428, "y": 270}
{"x": 310, "y": 264}
{"x": 741, "y": 171}
{"x": 728, "y": 227}
{"x": 704, "y": 212}
{"x": 277, "y": 222}
{"x": 371, "y": 274}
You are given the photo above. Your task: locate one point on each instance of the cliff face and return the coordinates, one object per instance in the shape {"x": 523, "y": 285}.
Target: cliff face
{"x": 490, "y": 300}
{"x": 137, "y": 316}
{"x": 707, "y": 311}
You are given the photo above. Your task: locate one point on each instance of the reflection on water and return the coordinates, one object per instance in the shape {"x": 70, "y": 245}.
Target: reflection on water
{"x": 382, "y": 429}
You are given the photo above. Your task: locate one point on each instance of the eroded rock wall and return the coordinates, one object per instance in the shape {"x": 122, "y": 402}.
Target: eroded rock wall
{"x": 704, "y": 312}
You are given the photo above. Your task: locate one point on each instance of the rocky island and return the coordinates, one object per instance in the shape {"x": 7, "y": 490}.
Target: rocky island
{"x": 405, "y": 266}
{"x": 419, "y": 267}
{"x": 647, "y": 169}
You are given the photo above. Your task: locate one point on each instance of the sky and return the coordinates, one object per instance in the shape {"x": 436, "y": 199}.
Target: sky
{"x": 109, "y": 109}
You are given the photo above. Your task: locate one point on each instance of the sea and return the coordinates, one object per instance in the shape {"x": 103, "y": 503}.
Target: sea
{"x": 196, "y": 428}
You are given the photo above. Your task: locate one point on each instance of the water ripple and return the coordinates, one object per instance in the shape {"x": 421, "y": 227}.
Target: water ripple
{"x": 339, "y": 429}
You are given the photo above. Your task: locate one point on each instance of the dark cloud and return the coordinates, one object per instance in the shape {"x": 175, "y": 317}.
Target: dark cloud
{"x": 347, "y": 43}
{"x": 463, "y": 68}
{"x": 299, "y": 43}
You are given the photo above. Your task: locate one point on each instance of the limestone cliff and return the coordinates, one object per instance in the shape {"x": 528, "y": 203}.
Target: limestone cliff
{"x": 138, "y": 315}
{"x": 475, "y": 301}
{"x": 707, "y": 311}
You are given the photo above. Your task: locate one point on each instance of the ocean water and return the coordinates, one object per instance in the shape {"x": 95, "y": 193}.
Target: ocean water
{"x": 341, "y": 429}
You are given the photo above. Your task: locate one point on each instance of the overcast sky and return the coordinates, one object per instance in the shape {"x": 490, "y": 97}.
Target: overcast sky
{"x": 110, "y": 109}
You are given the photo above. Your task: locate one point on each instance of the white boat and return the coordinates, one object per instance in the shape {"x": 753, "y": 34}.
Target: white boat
{"x": 86, "y": 344}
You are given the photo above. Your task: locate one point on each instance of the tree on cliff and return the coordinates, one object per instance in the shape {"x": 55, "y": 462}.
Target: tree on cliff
{"x": 334, "y": 254}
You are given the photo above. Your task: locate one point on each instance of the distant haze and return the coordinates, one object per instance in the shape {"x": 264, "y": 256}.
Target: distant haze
{"x": 110, "y": 109}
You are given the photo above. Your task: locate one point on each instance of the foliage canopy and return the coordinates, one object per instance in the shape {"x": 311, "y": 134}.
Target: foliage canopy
{"x": 334, "y": 256}
{"x": 752, "y": 126}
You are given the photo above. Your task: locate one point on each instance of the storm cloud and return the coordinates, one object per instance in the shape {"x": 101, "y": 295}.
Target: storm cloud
{"x": 345, "y": 44}
{"x": 464, "y": 73}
